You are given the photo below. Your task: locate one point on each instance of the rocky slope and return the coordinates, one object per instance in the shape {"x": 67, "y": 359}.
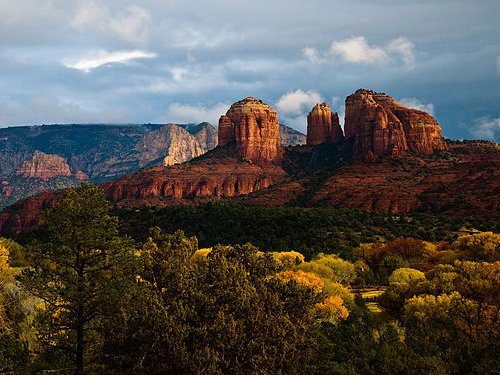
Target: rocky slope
{"x": 38, "y": 158}
{"x": 252, "y": 126}
{"x": 376, "y": 124}
{"x": 323, "y": 126}
{"x": 291, "y": 137}
{"x": 465, "y": 180}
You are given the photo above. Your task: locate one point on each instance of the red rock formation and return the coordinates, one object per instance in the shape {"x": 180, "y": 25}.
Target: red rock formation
{"x": 226, "y": 131}
{"x": 209, "y": 179}
{"x": 81, "y": 176}
{"x": 377, "y": 125}
{"x": 323, "y": 126}
{"x": 44, "y": 166}
{"x": 463, "y": 184}
{"x": 254, "y": 129}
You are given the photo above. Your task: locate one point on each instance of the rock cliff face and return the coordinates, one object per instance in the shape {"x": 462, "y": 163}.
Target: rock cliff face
{"x": 171, "y": 143}
{"x": 377, "y": 125}
{"x": 210, "y": 179}
{"x": 323, "y": 126}
{"x": 44, "y": 166}
{"x": 205, "y": 134}
{"x": 253, "y": 128}
{"x": 291, "y": 137}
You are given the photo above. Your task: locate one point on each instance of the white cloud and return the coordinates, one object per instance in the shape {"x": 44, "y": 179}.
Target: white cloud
{"x": 129, "y": 24}
{"x": 356, "y": 50}
{"x": 185, "y": 113}
{"x": 313, "y": 55}
{"x": 486, "y": 128}
{"x": 88, "y": 13}
{"x": 417, "y": 104}
{"x": 405, "y": 48}
{"x": 295, "y": 102}
{"x": 104, "y": 58}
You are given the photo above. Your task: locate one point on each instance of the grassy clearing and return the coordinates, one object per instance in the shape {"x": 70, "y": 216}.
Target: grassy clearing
{"x": 370, "y": 295}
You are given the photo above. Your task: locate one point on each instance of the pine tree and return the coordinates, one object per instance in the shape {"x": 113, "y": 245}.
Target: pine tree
{"x": 80, "y": 269}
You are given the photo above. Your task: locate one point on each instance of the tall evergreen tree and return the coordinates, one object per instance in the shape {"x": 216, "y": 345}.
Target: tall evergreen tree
{"x": 80, "y": 270}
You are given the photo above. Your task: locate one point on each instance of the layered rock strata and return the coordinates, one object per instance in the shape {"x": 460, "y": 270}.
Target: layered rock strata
{"x": 44, "y": 166}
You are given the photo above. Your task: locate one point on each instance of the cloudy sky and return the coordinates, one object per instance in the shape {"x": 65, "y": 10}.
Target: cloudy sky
{"x": 67, "y": 61}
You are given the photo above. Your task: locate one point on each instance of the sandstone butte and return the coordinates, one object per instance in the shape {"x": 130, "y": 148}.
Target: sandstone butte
{"x": 377, "y": 125}
{"x": 252, "y": 127}
{"x": 323, "y": 126}
{"x": 46, "y": 166}
{"x": 247, "y": 166}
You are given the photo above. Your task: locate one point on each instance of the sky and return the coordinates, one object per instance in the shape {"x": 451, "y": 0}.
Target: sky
{"x": 161, "y": 61}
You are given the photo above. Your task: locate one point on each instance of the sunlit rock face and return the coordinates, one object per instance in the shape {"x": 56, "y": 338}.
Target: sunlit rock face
{"x": 252, "y": 126}
{"x": 44, "y": 166}
{"x": 323, "y": 126}
{"x": 377, "y": 125}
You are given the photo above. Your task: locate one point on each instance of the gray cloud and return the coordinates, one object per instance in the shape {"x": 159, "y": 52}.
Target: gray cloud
{"x": 183, "y": 113}
{"x": 417, "y": 104}
{"x": 47, "y": 110}
{"x": 486, "y": 128}
{"x": 446, "y": 52}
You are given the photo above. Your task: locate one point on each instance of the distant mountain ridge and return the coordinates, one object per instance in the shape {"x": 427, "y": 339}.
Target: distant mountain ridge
{"x": 39, "y": 158}
{"x": 46, "y": 157}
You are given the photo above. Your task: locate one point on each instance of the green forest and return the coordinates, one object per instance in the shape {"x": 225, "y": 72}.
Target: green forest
{"x": 229, "y": 289}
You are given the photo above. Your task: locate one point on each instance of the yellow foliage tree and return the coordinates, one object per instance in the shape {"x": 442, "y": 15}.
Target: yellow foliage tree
{"x": 288, "y": 259}
{"x": 200, "y": 255}
{"x": 4, "y": 257}
{"x": 481, "y": 246}
{"x": 307, "y": 279}
{"x": 332, "y": 310}
{"x": 406, "y": 276}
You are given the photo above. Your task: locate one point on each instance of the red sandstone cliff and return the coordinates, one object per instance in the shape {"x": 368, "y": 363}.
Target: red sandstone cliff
{"x": 253, "y": 127}
{"x": 209, "y": 179}
{"x": 44, "y": 166}
{"x": 323, "y": 126}
{"x": 377, "y": 125}
{"x": 213, "y": 178}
